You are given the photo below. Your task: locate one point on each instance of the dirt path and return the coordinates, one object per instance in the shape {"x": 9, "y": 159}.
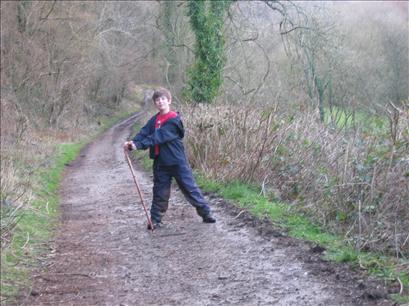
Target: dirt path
{"x": 103, "y": 254}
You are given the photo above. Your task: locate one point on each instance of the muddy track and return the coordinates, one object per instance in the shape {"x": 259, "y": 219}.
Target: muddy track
{"x": 103, "y": 254}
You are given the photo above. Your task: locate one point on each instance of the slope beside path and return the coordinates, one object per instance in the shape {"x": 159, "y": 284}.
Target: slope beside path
{"x": 103, "y": 254}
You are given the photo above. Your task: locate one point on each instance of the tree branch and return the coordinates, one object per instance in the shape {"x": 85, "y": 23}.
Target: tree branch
{"x": 295, "y": 28}
{"x": 49, "y": 12}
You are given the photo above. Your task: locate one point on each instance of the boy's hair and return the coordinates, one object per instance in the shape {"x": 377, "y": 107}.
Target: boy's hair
{"x": 159, "y": 92}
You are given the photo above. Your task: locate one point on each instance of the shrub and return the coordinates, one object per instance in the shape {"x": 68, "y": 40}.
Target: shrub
{"x": 352, "y": 182}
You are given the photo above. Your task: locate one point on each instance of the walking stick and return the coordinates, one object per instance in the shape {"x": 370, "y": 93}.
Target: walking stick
{"x": 138, "y": 188}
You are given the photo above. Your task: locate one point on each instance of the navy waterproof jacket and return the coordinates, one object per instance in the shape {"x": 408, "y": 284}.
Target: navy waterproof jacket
{"x": 169, "y": 138}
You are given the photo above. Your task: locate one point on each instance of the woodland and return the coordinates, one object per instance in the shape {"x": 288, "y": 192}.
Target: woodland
{"x": 307, "y": 102}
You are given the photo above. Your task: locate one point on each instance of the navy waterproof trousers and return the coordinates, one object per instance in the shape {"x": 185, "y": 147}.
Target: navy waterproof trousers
{"x": 162, "y": 179}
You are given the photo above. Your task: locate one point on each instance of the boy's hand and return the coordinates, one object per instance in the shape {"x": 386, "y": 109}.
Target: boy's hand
{"x": 129, "y": 145}
{"x": 138, "y": 145}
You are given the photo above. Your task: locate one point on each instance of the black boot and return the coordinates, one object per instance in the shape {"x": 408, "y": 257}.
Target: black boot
{"x": 154, "y": 224}
{"x": 209, "y": 219}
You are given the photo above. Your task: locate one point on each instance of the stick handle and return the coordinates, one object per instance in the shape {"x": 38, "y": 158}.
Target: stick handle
{"x": 138, "y": 188}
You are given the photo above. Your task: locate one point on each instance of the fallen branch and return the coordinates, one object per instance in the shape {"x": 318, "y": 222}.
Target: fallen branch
{"x": 239, "y": 214}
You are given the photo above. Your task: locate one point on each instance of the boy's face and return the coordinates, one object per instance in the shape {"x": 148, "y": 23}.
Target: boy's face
{"x": 163, "y": 104}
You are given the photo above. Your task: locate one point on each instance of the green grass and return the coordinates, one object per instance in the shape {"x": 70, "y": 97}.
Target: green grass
{"x": 298, "y": 226}
{"x": 36, "y": 225}
{"x": 368, "y": 122}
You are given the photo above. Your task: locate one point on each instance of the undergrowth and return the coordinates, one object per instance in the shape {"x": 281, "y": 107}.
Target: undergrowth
{"x": 298, "y": 226}
{"x": 29, "y": 198}
{"x": 353, "y": 181}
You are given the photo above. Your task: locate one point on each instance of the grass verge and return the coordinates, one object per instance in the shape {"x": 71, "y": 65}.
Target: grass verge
{"x": 37, "y": 223}
{"x": 281, "y": 215}
{"x": 35, "y": 227}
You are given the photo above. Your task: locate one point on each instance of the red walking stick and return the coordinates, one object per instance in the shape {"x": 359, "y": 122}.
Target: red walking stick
{"x": 138, "y": 188}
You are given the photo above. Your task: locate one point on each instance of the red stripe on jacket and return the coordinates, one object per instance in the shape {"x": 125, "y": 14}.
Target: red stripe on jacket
{"x": 159, "y": 121}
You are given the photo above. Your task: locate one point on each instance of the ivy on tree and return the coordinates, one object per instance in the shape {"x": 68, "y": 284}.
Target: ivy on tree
{"x": 205, "y": 75}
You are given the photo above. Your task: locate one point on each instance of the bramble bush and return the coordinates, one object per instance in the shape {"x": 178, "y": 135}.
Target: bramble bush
{"x": 349, "y": 180}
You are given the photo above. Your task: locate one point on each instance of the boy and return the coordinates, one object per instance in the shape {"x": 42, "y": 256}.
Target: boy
{"x": 163, "y": 135}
